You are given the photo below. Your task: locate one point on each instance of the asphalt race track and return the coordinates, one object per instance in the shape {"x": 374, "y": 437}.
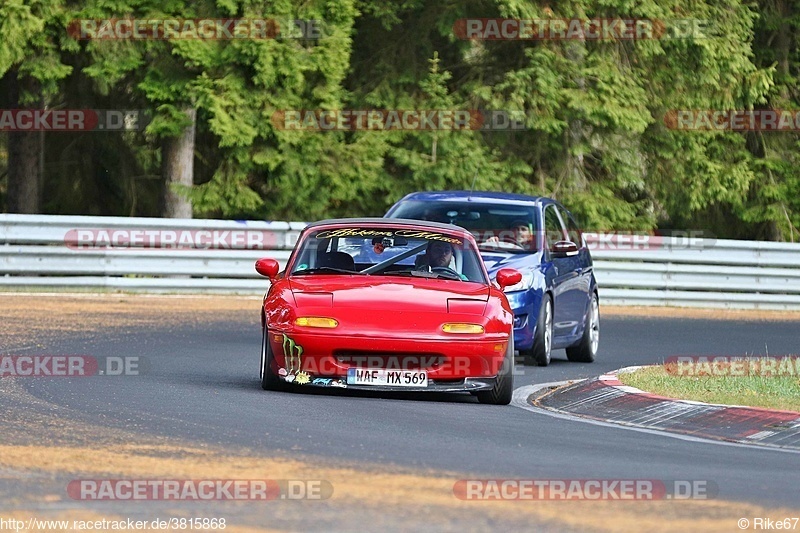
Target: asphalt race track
{"x": 201, "y": 387}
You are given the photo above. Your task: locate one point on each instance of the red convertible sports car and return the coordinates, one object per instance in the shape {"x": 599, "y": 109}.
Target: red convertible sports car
{"x": 387, "y": 304}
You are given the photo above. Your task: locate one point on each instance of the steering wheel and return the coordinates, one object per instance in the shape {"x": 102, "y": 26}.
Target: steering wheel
{"x": 446, "y": 270}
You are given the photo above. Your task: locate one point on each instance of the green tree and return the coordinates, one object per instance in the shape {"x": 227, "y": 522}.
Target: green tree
{"x": 31, "y": 67}
{"x": 772, "y": 206}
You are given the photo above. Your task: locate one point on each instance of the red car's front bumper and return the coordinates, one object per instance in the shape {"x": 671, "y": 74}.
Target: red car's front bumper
{"x": 460, "y": 363}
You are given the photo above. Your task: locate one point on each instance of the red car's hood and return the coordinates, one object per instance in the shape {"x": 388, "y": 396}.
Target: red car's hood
{"x": 389, "y": 293}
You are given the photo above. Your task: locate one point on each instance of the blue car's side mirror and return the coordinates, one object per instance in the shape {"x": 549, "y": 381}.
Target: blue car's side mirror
{"x": 564, "y": 249}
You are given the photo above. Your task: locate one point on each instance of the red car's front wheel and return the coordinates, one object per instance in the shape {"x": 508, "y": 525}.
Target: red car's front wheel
{"x": 503, "y": 388}
{"x": 269, "y": 381}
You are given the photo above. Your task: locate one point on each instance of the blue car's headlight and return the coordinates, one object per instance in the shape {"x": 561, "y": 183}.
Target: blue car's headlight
{"x": 524, "y": 285}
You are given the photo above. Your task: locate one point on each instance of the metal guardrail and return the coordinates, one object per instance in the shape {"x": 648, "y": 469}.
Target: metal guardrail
{"x": 41, "y": 252}
{"x": 720, "y": 273}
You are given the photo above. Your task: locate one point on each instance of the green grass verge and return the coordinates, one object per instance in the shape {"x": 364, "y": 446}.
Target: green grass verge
{"x": 775, "y": 392}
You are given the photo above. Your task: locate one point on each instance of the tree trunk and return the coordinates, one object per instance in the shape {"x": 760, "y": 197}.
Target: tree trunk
{"x": 177, "y": 168}
{"x": 24, "y": 156}
{"x": 576, "y": 173}
{"x": 783, "y": 51}
{"x": 783, "y": 44}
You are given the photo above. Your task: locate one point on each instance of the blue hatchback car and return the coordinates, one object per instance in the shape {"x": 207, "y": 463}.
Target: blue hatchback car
{"x": 556, "y": 304}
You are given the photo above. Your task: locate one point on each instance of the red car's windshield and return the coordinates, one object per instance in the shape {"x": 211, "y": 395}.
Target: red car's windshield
{"x": 388, "y": 251}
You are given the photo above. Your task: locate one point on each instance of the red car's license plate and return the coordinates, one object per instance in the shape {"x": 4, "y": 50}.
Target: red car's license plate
{"x": 391, "y": 378}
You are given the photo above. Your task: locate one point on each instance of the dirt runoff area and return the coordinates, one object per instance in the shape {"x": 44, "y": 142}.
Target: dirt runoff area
{"x": 29, "y": 318}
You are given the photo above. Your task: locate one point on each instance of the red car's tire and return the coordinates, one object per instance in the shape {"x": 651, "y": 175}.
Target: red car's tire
{"x": 269, "y": 381}
{"x": 503, "y": 388}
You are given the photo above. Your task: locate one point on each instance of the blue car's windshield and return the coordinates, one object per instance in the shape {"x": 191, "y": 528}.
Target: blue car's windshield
{"x": 506, "y": 228}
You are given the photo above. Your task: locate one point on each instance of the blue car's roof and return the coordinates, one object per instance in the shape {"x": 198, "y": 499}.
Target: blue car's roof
{"x": 474, "y": 196}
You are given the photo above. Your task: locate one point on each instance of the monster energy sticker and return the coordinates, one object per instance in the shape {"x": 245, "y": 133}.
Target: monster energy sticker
{"x": 293, "y": 353}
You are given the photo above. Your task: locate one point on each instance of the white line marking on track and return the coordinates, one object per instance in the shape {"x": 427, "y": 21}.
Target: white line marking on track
{"x": 521, "y": 395}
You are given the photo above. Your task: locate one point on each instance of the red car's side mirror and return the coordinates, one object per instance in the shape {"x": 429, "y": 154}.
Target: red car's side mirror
{"x": 507, "y": 277}
{"x": 267, "y": 267}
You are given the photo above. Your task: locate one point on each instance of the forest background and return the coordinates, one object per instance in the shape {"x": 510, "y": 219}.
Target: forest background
{"x": 594, "y": 114}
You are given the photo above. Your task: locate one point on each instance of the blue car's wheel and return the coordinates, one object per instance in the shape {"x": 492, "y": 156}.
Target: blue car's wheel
{"x": 586, "y": 349}
{"x": 543, "y": 338}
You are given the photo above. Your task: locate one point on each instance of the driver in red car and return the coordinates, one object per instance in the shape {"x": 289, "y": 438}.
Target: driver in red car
{"x": 439, "y": 253}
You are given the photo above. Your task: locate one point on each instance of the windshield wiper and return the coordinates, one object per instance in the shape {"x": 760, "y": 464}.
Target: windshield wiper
{"x": 324, "y": 270}
{"x": 402, "y": 273}
{"x": 504, "y": 248}
{"x": 420, "y": 274}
